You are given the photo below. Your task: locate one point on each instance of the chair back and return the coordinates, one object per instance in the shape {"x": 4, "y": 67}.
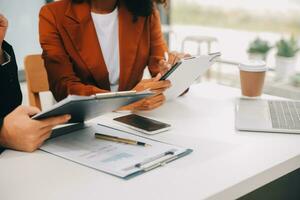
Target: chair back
{"x": 37, "y": 79}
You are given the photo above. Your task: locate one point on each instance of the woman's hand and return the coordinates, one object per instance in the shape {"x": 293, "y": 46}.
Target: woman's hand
{"x": 172, "y": 58}
{"x": 153, "y": 84}
{"x": 146, "y": 104}
{"x": 150, "y": 103}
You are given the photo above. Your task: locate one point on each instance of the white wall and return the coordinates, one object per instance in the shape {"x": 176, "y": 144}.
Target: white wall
{"x": 23, "y": 26}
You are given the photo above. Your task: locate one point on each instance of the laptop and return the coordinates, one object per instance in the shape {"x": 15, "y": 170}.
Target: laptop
{"x": 268, "y": 116}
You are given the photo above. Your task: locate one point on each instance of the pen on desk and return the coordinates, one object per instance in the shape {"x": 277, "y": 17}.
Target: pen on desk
{"x": 120, "y": 140}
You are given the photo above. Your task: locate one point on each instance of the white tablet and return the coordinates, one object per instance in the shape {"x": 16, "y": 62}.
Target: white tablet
{"x": 183, "y": 74}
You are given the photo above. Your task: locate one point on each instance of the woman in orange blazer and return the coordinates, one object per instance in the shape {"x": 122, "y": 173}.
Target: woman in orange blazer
{"x": 74, "y": 59}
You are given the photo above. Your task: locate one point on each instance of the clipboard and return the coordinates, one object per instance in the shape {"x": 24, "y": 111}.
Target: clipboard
{"x": 184, "y": 73}
{"x": 83, "y": 108}
{"x": 117, "y": 159}
{"x": 157, "y": 161}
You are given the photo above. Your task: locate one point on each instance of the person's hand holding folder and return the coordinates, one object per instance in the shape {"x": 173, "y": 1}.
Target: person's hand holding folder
{"x": 150, "y": 103}
{"x": 22, "y": 133}
{"x": 170, "y": 59}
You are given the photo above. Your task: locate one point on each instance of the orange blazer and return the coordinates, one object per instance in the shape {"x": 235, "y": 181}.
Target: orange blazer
{"x": 72, "y": 53}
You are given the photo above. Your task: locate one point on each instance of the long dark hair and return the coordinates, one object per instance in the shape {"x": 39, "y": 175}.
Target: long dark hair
{"x": 138, "y": 8}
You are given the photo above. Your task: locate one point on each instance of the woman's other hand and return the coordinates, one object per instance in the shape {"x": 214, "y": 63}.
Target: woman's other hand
{"x": 154, "y": 84}
{"x": 170, "y": 60}
{"x": 155, "y": 101}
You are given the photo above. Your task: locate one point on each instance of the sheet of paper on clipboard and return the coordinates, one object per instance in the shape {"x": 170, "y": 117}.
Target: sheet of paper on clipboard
{"x": 121, "y": 160}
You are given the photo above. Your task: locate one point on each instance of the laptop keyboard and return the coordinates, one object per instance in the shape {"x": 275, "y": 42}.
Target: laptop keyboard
{"x": 285, "y": 114}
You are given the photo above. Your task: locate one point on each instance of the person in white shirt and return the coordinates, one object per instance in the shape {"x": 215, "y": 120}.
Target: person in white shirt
{"x": 98, "y": 46}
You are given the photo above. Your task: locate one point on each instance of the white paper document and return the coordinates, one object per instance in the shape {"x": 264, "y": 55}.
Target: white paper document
{"x": 186, "y": 72}
{"x": 122, "y": 160}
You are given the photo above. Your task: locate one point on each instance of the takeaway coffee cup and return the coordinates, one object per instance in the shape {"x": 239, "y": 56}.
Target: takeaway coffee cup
{"x": 252, "y": 76}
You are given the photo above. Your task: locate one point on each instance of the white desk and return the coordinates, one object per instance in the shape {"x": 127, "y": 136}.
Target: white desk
{"x": 225, "y": 164}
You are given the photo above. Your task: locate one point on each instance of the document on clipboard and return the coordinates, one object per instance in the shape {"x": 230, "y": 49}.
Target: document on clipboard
{"x": 184, "y": 73}
{"x": 118, "y": 159}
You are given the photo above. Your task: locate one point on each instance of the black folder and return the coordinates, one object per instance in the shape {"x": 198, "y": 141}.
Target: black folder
{"x": 84, "y": 108}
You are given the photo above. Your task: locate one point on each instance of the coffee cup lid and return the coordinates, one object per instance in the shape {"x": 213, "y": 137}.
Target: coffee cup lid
{"x": 253, "y": 66}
